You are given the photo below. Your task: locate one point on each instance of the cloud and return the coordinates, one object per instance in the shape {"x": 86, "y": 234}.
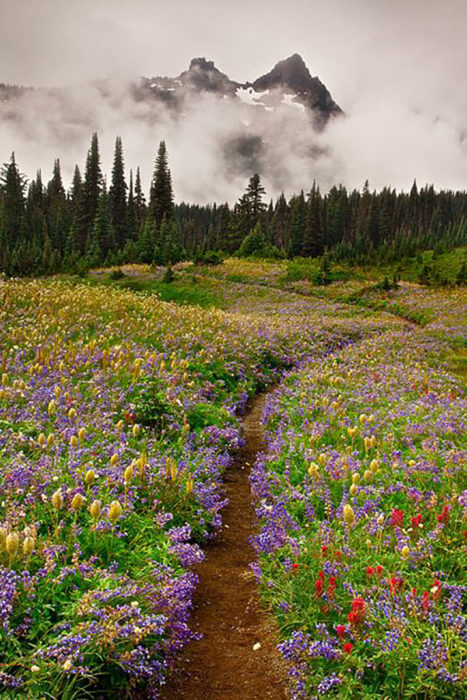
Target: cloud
{"x": 397, "y": 68}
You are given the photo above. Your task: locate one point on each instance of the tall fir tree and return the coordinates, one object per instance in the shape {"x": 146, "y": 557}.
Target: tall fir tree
{"x": 140, "y": 201}
{"x": 13, "y": 185}
{"x": 117, "y": 196}
{"x": 91, "y": 190}
{"x": 161, "y": 205}
{"x": 297, "y": 224}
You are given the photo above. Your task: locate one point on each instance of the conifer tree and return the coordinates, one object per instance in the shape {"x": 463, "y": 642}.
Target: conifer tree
{"x": 140, "y": 201}
{"x": 117, "y": 196}
{"x": 313, "y": 240}
{"x": 13, "y": 185}
{"x": 161, "y": 204}
{"x": 297, "y": 223}
{"x": 92, "y": 187}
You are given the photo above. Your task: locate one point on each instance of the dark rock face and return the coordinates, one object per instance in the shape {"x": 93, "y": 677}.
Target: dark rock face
{"x": 293, "y": 77}
{"x": 203, "y": 75}
{"x": 290, "y": 77}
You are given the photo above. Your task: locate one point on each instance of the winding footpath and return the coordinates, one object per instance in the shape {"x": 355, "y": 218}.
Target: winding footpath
{"x": 227, "y": 661}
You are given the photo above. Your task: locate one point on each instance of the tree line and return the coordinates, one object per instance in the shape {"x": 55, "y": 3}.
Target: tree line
{"x": 45, "y": 228}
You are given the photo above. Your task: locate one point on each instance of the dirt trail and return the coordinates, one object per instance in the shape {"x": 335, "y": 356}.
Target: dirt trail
{"x": 227, "y": 610}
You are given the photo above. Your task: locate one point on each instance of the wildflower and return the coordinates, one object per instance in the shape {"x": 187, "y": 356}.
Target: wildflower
{"x": 349, "y": 515}
{"x": 52, "y": 407}
{"x": 322, "y": 459}
{"x": 57, "y": 499}
{"x": 77, "y": 502}
{"x": 28, "y": 546}
{"x": 405, "y": 552}
{"x": 189, "y": 486}
{"x": 374, "y": 464}
{"x": 313, "y": 470}
{"x": 50, "y": 440}
{"x": 353, "y": 490}
{"x": 319, "y": 584}
{"x": 379, "y": 570}
{"x": 443, "y": 517}
{"x": 135, "y": 430}
{"x": 12, "y": 543}
{"x": 355, "y": 478}
{"x": 114, "y": 459}
{"x": 81, "y": 434}
{"x": 73, "y": 441}
{"x": 416, "y": 521}
{"x": 35, "y": 669}
{"x": 436, "y": 590}
{"x": 348, "y": 647}
{"x": 370, "y": 571}
{"x": 72, "y": 413}
{"x": 67, "y": 665}
{"x": 340, "y": 629}
{"x": 128, "y": 474}
{"x": 95, "y": 509}
{"x": 41, "y": 439}
{"x": 115, "y": 511}
{"x": 397, "y": 518}
{"x": 332, "y": 586}
{"x": 395, "y": 584}
{"x": 90, "y": 477}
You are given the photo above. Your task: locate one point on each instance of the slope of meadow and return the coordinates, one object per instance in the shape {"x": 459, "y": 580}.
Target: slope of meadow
{"x": 118, "y": 418}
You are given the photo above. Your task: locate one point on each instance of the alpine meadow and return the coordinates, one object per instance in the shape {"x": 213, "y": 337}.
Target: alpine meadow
{"x": 233, "y": 351}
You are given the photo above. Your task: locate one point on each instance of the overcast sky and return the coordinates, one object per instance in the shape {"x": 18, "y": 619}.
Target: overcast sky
{"x": 397, "y": 67}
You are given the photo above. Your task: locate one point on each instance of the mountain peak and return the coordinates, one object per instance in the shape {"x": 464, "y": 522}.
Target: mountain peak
{"x": 292, "y": 72}
{"x": 203, "y": 75}
{"x": 202, "y": 64}
{"x": 292, "y": 75}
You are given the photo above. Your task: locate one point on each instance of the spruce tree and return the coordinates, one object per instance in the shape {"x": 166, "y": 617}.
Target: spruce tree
{"x": 297, "y": 224}
{"x": 92, "y": 187}
{"x": 161, "y": 204}
{"x": 140, "y": 201}
{"x": 313, "y": 240}
{"x": 131, "y": 212}
{"x": 117, "y": 196}
{"x": 13, "y": 185}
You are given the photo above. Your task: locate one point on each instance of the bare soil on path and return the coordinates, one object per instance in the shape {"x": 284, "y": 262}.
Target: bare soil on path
{"x": 227, "y": 609}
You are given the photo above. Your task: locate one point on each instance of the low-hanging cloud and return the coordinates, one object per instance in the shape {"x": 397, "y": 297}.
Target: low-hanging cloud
{"x": 397, "y": 69}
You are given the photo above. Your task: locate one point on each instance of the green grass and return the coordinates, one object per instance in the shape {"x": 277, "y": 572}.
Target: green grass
{"x": 183, "y": 290}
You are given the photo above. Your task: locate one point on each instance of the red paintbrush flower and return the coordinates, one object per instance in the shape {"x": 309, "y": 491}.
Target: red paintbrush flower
{"x": 340, "y": 629}
{"x": 397, "y": 518}
{"x": 443, "y": 517}
{"x": 348, "y": 647}
{"x": 319, "y": 585}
